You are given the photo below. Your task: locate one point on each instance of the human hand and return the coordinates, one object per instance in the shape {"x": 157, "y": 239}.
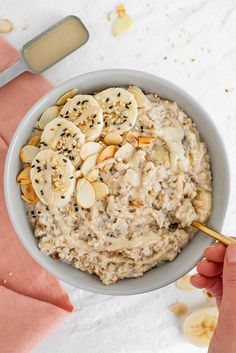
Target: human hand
{"x": 217, "y": 273}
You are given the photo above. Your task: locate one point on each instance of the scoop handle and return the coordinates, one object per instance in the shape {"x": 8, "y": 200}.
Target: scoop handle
{"x": 12, "y": 72}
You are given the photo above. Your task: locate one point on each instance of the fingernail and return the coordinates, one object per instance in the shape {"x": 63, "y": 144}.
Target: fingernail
{"x": 213, "y": 245}
{"x": 231, "y": 254}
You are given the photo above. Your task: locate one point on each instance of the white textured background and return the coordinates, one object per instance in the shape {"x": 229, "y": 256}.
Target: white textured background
{"x": 198, "y": 37}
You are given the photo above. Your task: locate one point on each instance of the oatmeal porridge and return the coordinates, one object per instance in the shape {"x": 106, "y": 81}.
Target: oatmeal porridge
{"x": 112, "y": 181}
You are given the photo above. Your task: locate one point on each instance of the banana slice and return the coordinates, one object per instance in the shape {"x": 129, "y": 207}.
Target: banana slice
{"x": 84, "y": 111}
{"x": 119, "y": 109}
{"x": 63, "y": 136}
{"x": 52, "y": 178}
{"x": 199, "y": 326}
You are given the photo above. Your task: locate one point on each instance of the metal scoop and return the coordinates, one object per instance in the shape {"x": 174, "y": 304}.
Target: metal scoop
{"x": 48, "y": 48}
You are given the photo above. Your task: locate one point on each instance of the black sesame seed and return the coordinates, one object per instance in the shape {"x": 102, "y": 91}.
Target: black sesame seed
{"x": 75, "y": 109}
{"x": 66, "y": 149}
{"x": 106, "y": 124}
{"x": 60, "y": 176}
{"x": 33, "y": 216}
{"x": 76, "y": 209}
{"x": 64, "y": 160}
{"x": 141, "y": 127}
{"x": 101, "y": 178}
{"x": 63, "y": 134}
{"x": 67, "y": 112}
{"x": 54, "y": 168}
{"x": 68, "y": 134}
{"x": 62, "y": 197}
{"x": 66, "y": 117}
{"x": 85, "y": 101}
{"x": 61, "y": 115}
{"x": 33, "y": 166}
{"x": 99, "y": 122}
{"x": 32, "y": 212}
{"x": 37, "y": 160}
{"x": 36, "y": 180}
{"x": 47, "y": 208}
{"x": 91, "y": 125}
{"x": 107, "y": 99}
{"x": 119, "y": 145}
{"x": 41, "y": 192}
{"x": 118, "y": 95}
{"x": 58, "y": 124}
{"x": 129, "y": 103}
{"x": 45, "y": 144}
{"x": 94, "y": 116}
{"x": 39, "y": 212}
{"x": 72, "y": 177}
{"x": 78, "y": 102}
{"x": 74, "y": 135}
{"x": 111, "y": 106}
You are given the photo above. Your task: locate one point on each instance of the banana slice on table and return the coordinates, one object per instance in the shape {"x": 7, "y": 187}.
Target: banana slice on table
{"x": 119, "y": 109}
{"x": 84, "y": 111}
{"x": 64, "y": 137}
{"x": 199, "y": 326}
{"x": 52, "y": 177}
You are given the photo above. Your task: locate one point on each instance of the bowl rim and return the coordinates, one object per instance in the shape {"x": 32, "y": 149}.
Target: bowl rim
{"x": 37, "y": 256}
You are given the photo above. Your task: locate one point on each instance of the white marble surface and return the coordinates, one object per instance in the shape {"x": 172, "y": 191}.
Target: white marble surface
{"x": 198, "y": 37}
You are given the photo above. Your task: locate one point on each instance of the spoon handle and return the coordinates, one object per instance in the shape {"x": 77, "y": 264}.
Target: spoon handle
{"x": 222, "y": 238}
{"x": 12, "y": 72}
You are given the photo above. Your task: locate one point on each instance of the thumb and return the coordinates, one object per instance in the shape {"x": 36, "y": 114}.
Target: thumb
{"x": 229, "y": 281}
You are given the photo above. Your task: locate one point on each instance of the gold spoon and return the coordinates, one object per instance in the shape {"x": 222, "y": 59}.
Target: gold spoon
{"x": 222, "y": 238}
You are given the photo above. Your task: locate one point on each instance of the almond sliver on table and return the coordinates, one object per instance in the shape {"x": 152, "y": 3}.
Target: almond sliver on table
{"x": 32, "y": 302}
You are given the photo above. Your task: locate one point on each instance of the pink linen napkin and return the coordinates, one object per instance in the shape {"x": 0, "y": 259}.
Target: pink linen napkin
{"x": 32, "y": 302}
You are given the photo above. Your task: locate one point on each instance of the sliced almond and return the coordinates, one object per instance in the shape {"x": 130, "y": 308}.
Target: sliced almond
{"x": 124, "y": 151}
{"x": 184, "y": 284}
{"x": 145, "y": 140}
{"x": 122, "y": 25}
{"x": 85, "y": 193}
{"x": 5, "y": 25}
{"x": 29, "y": 193}
{"x": 141, "y": 99}
{"x": 121, "y": 10}
{"x": 48, "y": 115}
{"x": 101, "y": 190}
{"x": 69, "y": 94}
{"x": 89, "y": 164}
{"x": 92, "y": 175}
{"x": 137, "y": 203}
{"x": 179, "y": 308}
{"x": 24, "y": 176}
{"x": 34, "y": 140}
{"x": 113, "y": 138}
{"x": 108, "y": 152}
{"x": 28, "y": 153}
{"x": 102, "y": 165}
{"x": 90, "y": 148}
{"x": 131, "y": 139}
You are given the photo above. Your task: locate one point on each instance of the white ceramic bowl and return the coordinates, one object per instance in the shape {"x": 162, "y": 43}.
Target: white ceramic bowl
{"x": 191, "y": 254}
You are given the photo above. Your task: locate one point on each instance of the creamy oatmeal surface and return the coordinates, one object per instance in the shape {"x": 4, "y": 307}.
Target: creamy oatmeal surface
{"x": 113, "y": 181}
